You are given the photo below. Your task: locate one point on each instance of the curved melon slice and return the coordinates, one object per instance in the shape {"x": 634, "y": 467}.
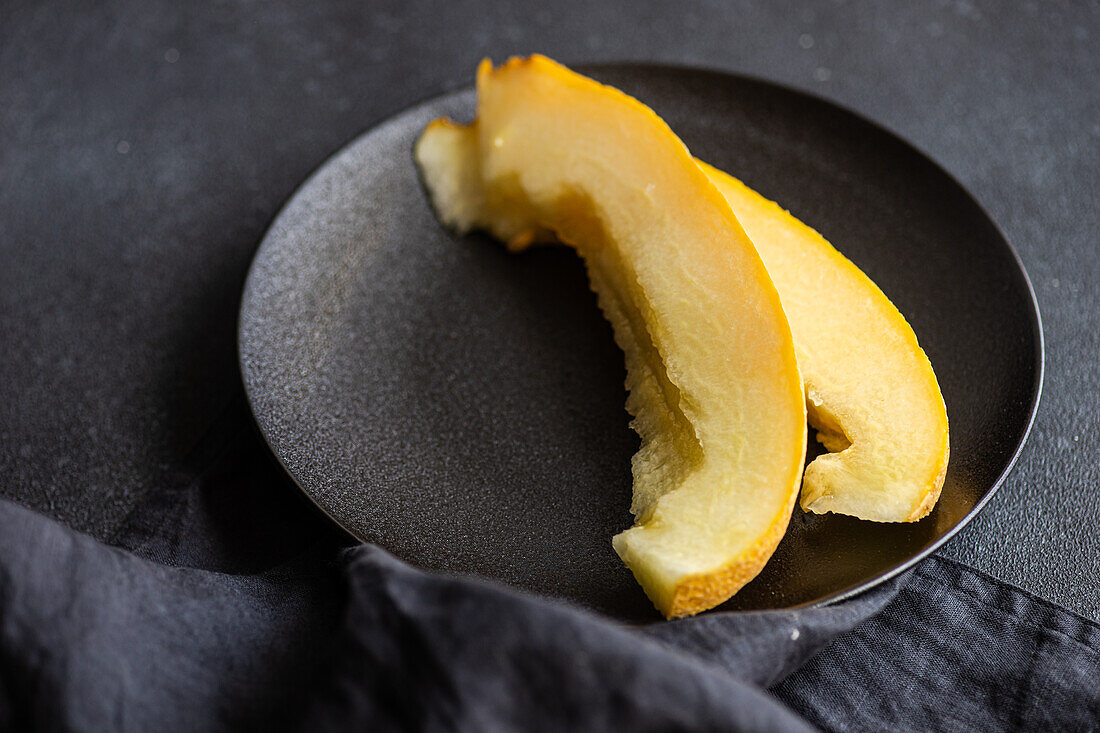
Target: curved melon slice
{"x": 714, "y": 385}
{"x": 870, "y": 389}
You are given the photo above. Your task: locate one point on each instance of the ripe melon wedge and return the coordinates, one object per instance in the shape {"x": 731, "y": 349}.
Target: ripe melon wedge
{"x": 714, "y": 385}
{"x": 870, "y": 390}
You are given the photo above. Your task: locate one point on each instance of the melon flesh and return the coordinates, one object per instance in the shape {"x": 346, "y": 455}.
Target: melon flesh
{"x": 713, "y": 382}
{"x": 870, "y": 390}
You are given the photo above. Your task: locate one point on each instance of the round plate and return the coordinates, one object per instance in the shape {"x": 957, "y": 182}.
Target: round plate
{"x": 464, "y": 408}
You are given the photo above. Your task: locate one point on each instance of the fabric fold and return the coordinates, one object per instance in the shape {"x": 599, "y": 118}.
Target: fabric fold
{"x": 430, "y": 652}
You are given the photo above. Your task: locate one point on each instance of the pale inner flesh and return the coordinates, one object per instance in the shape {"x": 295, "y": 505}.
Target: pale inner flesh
{"x": 713, "y": 386}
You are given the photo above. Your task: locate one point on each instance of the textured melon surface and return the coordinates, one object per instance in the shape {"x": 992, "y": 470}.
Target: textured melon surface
{"x": 870, "y": 390}
{"x": 713, "y": 382}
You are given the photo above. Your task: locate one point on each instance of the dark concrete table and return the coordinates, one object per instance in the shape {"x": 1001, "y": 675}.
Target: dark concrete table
{"x": 144, "y": 146}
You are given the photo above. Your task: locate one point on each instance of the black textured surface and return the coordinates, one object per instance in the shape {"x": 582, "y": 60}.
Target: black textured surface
{"x": 144, "y": 146}
{"x": 464, "y": 408}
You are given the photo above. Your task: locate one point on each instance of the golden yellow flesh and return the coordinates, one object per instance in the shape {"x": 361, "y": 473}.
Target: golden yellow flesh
{"x": 870, "y": 389}
{"x": 714, "y": 386}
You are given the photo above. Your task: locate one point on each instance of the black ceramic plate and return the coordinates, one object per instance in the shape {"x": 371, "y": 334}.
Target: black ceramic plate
{"x": 463, "y": 407}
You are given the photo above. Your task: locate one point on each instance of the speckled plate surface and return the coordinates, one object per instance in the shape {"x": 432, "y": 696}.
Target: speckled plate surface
{"x": 463, "y": 407}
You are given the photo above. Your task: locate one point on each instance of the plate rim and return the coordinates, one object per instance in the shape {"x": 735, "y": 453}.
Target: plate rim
{"x": 1036, "y": 320}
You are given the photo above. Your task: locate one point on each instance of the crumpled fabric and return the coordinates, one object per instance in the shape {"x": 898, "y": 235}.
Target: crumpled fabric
{"x": 425, "y": 652}
{"x": 956, "y": 650}
{"x": 94, "y": 637}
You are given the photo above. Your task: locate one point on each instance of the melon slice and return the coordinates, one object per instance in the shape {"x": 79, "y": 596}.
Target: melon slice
{"x": 713, "y": 383}
{"x": 870, "y": 390}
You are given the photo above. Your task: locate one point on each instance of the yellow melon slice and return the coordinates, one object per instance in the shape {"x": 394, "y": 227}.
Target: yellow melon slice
{"x": 870, "y": 390}
{"x": 714, "y": 386}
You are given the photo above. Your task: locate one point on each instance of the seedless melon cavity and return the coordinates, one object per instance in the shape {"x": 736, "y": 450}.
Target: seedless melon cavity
{"x": 670, "y": 448}
{"x": 830, "y": 433}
